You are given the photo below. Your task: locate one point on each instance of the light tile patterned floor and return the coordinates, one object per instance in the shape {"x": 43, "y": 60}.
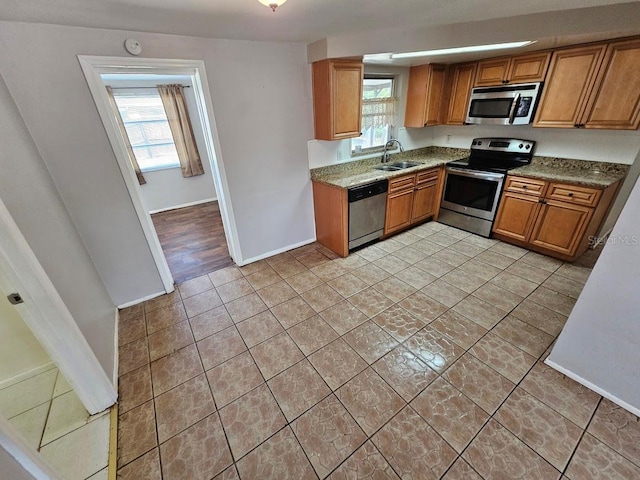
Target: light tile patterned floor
{"x": 417, "y": 357}
{"x": 53, "y": 421}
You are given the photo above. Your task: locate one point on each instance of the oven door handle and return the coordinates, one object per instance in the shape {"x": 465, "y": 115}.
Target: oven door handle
{"x": 476, "y": 174}
{"x": 514, "y": 108}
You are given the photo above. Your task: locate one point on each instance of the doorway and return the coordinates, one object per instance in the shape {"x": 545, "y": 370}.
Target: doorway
{"x": 50, "y": 379}
{"x": 184, "y": 209}
{"x": 40, "y": 404}
{"x": 94, "y": 69}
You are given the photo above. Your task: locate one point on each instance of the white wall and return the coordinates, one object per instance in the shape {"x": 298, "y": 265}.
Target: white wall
{"x": 166, "y": 189}
{"x": 20, "y": 352}
{"x": 262, "y": 104}
{"x": 612, "y": 146}
{"x": 27, "y": 190}
{"x": 600, "y": 343}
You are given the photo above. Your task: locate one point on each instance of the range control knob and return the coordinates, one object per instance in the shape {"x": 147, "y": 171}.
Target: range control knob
{"x": 520, "y": 146}
{"x": 528, "y": 147}
{"x": 479, "y": 143}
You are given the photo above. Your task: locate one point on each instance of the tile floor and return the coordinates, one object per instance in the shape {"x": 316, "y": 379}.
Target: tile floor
{"x": 420, "y": 357}
{"x": 51, "y": 418}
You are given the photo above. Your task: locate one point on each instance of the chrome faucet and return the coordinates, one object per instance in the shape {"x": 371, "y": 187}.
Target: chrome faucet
{"x": 385, "y": 155}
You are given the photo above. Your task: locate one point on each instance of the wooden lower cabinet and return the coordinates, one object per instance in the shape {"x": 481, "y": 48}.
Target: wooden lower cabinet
{"x": 560, "y": 226}
{"x": 331, "y": 211}
{"x": 516, "y": 216}
{"x": 399, "y": 207}
{"x": 425, "y": 199}
{"x": 537, "y": 220}
{"x": 413, "y": 199}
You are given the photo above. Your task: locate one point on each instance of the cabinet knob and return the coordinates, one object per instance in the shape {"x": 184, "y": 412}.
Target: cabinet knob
{"x": 524, "y": 186}
{"x": 570, "y": 194}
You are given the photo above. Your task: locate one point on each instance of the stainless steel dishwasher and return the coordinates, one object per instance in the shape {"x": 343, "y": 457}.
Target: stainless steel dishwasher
{"x": 367, "y": 207}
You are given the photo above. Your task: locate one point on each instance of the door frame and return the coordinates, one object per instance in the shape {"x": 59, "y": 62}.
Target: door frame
{"x": 49, "y": 320}
{"x": 93, "y": 67}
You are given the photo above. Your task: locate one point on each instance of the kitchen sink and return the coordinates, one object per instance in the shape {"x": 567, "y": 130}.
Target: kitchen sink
{"x": 388, "y": 168}
{"x": 405, "y": 164}
{"x": 393, "y": 167}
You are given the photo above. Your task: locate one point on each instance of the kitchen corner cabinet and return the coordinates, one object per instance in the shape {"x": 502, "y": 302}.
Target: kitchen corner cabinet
{"x": 412, "y": 199}
{"x": 337, "y": 98}
{"x": 597, "y": 86}
{"x": 424, "y": 95}
{"x": 460, "y": 81}
{"x": 520, "y": 69}
{"x": 551, "y": 218}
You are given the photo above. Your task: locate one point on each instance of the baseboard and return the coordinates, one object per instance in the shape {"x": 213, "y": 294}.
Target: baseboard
{"x": 190, "y": 204}
{"x": 276, "y": 252}
{"x": 140, "y": 300}
{"x": 28, "y": 374}
{"x": 595, "y": 388}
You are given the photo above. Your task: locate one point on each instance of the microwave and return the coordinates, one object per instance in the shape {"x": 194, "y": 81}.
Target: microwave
{"x": 504, "y": 105}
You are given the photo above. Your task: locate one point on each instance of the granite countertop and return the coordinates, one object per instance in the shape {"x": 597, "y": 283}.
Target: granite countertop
{"x": 361, "y": 172}
{"x": 577, "y": 172}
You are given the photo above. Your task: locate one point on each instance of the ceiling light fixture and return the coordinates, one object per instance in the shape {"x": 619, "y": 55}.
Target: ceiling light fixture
{"x": 473, "y": 48}
{"x": 272, "y": 3}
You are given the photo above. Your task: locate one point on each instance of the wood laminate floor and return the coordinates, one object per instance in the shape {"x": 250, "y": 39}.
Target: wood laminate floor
{"x": 193, "y": 240}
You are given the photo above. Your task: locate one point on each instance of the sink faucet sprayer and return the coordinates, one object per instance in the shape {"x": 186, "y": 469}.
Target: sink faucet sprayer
{"x": 385, "y": 155}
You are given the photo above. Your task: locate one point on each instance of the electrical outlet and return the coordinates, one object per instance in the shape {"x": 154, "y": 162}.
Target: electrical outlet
{"x": 339, "y": 155}
{"x": 448, "y": 138}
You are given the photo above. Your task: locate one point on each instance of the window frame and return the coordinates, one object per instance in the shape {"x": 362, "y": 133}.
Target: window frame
{"x": 391, "y": 128}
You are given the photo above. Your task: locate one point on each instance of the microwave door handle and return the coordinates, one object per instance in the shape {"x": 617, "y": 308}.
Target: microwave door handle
{"x": 514, "y": 108}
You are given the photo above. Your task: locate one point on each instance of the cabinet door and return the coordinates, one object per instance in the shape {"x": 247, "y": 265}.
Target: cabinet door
{"x": 492, "y": 72}
{"x": 529, "y": 68}
{"x": 399, "y": 206}
{"x": 560, "y": 226}
{"x": 615, "y": 102}
{"x": 347, "y": 99}
{"x": 568, "y": 85}
{"x": 462, "y": 81}
{"x": 435, "y": 92}
{"x": 337, "y": 99}
{"x": 424, "y": 95}
{"x": 516, "y": 215}
{"x": 424, "y": 201}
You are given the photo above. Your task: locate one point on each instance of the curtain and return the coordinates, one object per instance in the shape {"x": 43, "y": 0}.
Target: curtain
{"x": 125, "y": 137}
{"x": 378, "y": 112}
{"x": 176, "y": 109}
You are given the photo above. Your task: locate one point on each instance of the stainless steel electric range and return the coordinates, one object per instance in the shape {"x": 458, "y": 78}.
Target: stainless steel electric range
{"x": 473, "y": 185}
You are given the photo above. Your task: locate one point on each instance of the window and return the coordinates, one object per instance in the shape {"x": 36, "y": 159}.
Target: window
{"x": 146, "y": 124}
{"x": 378, "y": 113}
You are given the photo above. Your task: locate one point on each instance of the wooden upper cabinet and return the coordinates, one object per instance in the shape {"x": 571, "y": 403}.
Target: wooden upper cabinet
{"x": 529, "y": 68}
{"x": 569, "y": 82}
{"x": 492, "y": 72}
{"x": 461, "y": 78}
{"x": 337, "y": 98}
{"x": 521, "y": 69}
{"x": 424, "y": 95}
{"x": 615, "y": 100}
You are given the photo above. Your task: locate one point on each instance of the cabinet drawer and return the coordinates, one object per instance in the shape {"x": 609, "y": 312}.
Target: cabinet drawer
{"x": 402, "y": 183}
{"x": 427, "y": 176}
{"x": 529, "y": 186}
{"x": 574, "y": 194}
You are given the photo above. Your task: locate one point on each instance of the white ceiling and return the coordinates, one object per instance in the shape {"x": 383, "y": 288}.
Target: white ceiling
{"x": 298, "y": 21}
